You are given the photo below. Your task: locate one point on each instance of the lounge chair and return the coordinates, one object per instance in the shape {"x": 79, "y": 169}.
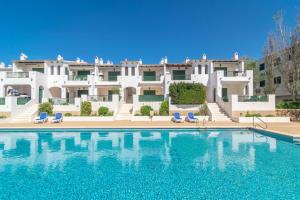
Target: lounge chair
{"x": 176, "y": 117}
{"x": 191, "y": 118}
{"x": 42, "y": 118}
{"x": 57, "y": 118}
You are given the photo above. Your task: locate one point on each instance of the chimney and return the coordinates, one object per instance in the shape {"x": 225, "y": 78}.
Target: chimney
{"x": 60, "y": 58}
{"x": 140, "y": 61}
{"x": 97, "y": 61}
{"x": 187, "y": 60}
{"x": 78, "y": 60}
{"x": 236, "y": 56}
{"x": 166, "y": 60}
{"x": 204, "y": 56}
{"x": 23, "y": 57}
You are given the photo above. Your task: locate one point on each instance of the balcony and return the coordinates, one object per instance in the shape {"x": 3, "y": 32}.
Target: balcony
{"x": 253, "y": 98}
{"x": 231, "y": 77}
{"x": 101, "y": 98}
{"x": 77, "y": 78}
{"x": 151, "y": 98}
{"x": 17, "y": 75}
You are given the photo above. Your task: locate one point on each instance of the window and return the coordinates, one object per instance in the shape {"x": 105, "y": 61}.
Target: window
{"x": 126, "y": 71}
{"x": 58, "y": 70}
{"x": 277, "y": 80}
{"x": 149, "y": 76}
{"x": 178, "y": 74}
{"x": 199, "y": 69}
{"x": 41, "y": 70}
{"x": 132, "y": 71}
{"x": 52, "y": 70}
{"x": 113, "y": 76}
{"x": 262, "y": 67}
{"x": 66, "y": 71}
{"x": 262, "y": 83}
{"x": 206, "y": 69}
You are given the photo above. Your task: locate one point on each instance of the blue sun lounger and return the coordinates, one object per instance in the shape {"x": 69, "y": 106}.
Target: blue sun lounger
{"x": 191, "y": 118}
{"x": 42, "y": 118}
{"x": 57, "y": 118}
{"x": 177, "y": 117}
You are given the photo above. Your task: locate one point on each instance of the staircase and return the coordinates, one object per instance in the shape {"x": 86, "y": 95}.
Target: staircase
{"x": 217, "y": 113}
{"x": 26, "y": 115}
{"x": 125, "y": 112}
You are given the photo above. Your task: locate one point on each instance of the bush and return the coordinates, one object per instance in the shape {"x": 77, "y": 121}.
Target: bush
{"x": 46, "y": 107}
{"x": 269, "y": 116}
{"x": 288, "y": 105}
{"x": 187, "y": 93}
{"x": 103, "y": 111}
{"x": 252, "y": 114}
{"x": 68, "y": 114}
{"x": 145, "y": 110}
{"x": 85, "y": 108}
{"x": 203, "y": 110}
{"x": 164, "y": 108}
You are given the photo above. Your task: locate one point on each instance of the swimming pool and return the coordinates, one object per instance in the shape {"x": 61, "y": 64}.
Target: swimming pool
{"x": 147, "y": 164}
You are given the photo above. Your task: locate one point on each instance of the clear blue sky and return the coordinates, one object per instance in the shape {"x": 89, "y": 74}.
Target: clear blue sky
{"x": 133, "y": 29}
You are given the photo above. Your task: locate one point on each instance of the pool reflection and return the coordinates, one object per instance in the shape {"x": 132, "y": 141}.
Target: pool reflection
{"x": 196, "y": 149}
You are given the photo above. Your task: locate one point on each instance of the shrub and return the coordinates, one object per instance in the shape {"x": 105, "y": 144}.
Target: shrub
{"x": 164, "y": 108}
{"x": 46, "y": 107}
{"x": 203, "y": 109}
{"x": 270, "y": 116}
{"x": 187, "y": 93}
{"x": 252, "y": 114}
{"x": 85, "y": 108}
{"x": 103, "y": 111}
{"x": 288, "y": 105}
{"x": 68, "y": 114}
{"x": 145, "y": 110}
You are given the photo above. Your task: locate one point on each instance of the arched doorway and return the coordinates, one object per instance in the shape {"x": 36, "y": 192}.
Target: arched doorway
{"x": 128, "y": 94}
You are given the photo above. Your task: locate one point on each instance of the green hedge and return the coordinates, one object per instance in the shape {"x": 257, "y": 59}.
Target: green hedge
{"x": 187, "y": 93}
{"x": 288, "y": 105}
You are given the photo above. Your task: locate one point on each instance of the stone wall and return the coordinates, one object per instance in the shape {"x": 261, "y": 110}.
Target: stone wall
{"x": 294, "y": 114}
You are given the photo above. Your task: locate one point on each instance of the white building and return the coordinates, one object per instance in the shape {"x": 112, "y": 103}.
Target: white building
{"x": 66, "y": 83}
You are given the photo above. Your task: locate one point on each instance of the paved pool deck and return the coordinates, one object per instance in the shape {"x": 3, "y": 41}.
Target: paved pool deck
{"x": 290, "y": 129}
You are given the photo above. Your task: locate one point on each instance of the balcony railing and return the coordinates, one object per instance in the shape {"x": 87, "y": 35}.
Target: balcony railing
{"x": 62, "y": 101}
{"x": 253, "y": 98}
{"x": 2, "y": 101}
{"x": 103, "y": 98}
{"x": 17, "y": 74}
{"x": 225, "y": 99}
{"x": 149, "y": 98}
{"x": 77, "y": 78}
{"x": 233, "y": 73}
{"x": 22, "y": 100}
{"x": 181, "y": 77}
{"x": 150, "y": 78}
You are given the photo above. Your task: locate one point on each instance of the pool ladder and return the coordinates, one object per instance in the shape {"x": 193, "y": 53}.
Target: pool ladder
{"x": 203, "y": 123}
{"x": 255, "y": 124}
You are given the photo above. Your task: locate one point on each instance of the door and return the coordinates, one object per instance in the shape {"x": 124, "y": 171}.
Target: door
{"x": 113, "y": 76}
{"x": 214, "y": 94}
{"x": 224, "y": 94}
{"x": 82, "y": 75}
{"x": 221, "y": 69}
{"x": 41, "y": 70}
{"x": 41, "y": 91}
{"x": 82, "y": 92}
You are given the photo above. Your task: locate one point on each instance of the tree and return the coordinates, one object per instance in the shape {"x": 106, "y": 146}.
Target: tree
{"x": 251, "y": 64}
{"x": 285, "y": 54}
{"x": 270, "y": 57}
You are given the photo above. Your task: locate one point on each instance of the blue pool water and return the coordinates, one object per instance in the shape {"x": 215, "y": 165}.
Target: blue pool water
{"x": 147, "y": 164}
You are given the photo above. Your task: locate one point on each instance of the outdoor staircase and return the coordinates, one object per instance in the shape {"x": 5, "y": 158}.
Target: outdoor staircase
{"x": 125, "y": 112}
{"x": 217, "y": 113}
{"x": 27, "y": 115}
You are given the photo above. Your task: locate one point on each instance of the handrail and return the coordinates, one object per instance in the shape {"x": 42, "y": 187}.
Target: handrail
{"x": 256, "y": 124}
{"x": 204, "y": 122}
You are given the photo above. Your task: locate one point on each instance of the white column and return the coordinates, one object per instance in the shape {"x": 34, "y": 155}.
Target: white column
{"x": 63, "y": 93}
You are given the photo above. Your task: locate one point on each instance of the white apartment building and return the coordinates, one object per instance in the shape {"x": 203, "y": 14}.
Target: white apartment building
{"x": 66, "y": 83}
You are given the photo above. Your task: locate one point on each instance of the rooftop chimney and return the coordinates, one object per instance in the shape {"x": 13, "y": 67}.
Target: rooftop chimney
{"x": 2, "y": 65}
{"x": 78, "y": 60}
{"x": 60, "y": 58}
{"x": 187, "y": 60}
{"x": 204, "y": 56}
{"x": 236, "y": 56}
{"x": 166, "y": 60}
{"x": 97, "y": 61}
{"x": 23, "y": 56}
{"x": 140, "y": 61}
